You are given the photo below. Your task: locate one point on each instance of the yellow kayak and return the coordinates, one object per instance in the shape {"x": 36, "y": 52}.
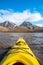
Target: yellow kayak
{"x": 20, "y": 54}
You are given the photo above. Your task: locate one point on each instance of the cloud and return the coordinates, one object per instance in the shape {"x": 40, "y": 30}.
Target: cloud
{"x": 35, "y": 17}
{"x": 41, "y": 25}
{"x": 19, "y": 17}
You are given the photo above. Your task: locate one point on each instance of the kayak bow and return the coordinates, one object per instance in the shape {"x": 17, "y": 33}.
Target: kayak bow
{"x": 20, "y": 54}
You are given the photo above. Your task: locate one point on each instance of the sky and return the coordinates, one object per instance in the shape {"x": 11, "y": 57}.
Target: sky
{"x": 17, "y": 11}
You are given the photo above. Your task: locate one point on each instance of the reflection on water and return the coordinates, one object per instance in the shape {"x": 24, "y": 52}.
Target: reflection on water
{"x": 34, "y": 40}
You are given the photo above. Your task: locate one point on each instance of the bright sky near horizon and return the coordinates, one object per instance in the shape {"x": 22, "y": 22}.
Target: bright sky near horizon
{"x": 18, "y": 11}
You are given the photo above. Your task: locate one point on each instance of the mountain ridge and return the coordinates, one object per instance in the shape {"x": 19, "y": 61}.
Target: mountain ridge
{"x": 7, "y": 24}
{"x": 23, "y": 27}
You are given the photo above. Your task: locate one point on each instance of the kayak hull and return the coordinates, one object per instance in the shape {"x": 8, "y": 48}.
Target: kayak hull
{"x": 21, "y": 53}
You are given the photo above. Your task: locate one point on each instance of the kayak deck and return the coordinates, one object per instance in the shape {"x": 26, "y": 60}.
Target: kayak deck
{"x": 20, "y": 54}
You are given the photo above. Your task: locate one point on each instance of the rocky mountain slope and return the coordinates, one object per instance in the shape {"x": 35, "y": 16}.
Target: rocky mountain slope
{"x": 7, "y": 24}
{"x": 24, "y": 27}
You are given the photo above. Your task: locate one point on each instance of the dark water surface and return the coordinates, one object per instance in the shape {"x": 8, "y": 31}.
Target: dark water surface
{"x": 34, "y": 40}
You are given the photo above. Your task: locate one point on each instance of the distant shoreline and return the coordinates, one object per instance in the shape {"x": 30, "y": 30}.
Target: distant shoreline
{"x": 22, "y": 32}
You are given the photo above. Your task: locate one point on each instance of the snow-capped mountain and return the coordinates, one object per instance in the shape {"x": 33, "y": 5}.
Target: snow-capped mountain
{"x": 25, "y": 23}
{"x": 7, "y": 24}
